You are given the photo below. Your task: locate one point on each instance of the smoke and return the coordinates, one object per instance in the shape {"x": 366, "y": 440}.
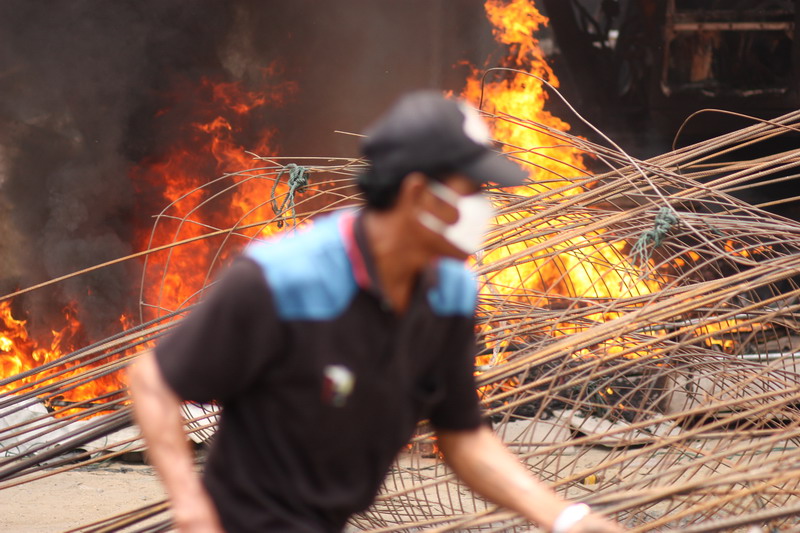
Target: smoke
{"x": 72, "y": 75}
{"x": 81, "y": 81}
{"x": 352, "y": 58}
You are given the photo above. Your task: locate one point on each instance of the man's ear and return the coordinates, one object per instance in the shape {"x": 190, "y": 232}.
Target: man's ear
{"x": 412, "y": 189}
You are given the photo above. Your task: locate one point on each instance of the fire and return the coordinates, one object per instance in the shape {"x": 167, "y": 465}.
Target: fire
{"x": 589, "y": 266}
{"x": 718, "y": 334}
{"x": 222, "y": 126}
{"x": 213, "y": 141}
{"x": 19, "y": 352}
{"x": 523, "y": 96}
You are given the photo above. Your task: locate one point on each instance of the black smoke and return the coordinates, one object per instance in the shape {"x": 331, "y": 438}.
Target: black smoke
{"x": 71, "y": 76}
{"x": 80, "y": 82}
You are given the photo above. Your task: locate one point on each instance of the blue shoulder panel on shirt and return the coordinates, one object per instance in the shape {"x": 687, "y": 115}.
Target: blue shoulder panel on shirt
{"x": 309, "y": 273}
{"x": 456, "y": 292}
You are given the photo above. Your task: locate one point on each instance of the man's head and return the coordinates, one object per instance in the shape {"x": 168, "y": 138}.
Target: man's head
{"x": 429, "y": 157}
{"x": 428, "y": 133}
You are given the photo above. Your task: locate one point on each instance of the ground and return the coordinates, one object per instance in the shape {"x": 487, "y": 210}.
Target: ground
{"x": 72, "y": 499}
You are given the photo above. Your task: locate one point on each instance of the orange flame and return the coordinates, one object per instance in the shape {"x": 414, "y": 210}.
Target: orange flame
{"x": 19, "y": 353}
{"x": 213, "y": 145}
{"x": 520, "y": 95}
{"x": 589, "y": 266}
{"x": 207, "y": 146}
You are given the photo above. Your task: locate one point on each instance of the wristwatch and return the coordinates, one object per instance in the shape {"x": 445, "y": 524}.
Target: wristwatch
{"x": 570, "y": 516}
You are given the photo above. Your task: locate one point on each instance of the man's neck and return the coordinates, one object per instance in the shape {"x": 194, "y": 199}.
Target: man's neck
{"x": 399, "y": 258}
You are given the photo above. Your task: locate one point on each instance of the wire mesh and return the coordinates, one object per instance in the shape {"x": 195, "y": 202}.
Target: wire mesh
{"x": 662, "y": 390}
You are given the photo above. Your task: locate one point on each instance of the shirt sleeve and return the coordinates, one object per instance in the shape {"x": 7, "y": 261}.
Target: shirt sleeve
{"x": 225, "y": 342}
{"x": 458, "y": 408}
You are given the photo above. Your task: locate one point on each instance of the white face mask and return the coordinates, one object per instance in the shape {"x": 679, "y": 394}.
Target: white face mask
{"x": 474, "y": 213}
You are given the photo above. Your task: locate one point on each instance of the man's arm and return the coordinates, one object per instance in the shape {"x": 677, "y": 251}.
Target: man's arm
{"x": 157, "y": 411}
{"x": 483, "y": 462}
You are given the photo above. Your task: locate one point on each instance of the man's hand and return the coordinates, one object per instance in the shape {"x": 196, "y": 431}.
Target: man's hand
{"x": 481, "y": 460}
{"x": 594, "y": 523}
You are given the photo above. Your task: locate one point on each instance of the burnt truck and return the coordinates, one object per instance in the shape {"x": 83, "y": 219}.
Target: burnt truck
{"x": 649, "y": 64}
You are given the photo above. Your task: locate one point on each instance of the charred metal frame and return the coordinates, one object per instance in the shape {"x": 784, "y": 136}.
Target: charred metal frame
{"x": 632, "y": 60}
{"x": 716, "y": 51}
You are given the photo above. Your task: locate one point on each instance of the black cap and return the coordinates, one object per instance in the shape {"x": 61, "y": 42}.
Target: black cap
{"x": 426, "y": 132}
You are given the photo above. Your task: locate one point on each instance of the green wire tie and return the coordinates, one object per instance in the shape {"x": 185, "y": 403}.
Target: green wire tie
{"x": 298, "y": 181}
{"x": 641, "y": 251}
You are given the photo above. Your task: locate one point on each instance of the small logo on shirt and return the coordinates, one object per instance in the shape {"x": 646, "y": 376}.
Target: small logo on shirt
{"x": 337, "y": 385}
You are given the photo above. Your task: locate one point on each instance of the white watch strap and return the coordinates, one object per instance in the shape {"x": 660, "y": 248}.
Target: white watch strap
{"x": 570, "y": 516}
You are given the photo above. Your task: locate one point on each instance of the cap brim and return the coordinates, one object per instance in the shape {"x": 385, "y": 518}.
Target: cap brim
{"x": 492, "y": 167}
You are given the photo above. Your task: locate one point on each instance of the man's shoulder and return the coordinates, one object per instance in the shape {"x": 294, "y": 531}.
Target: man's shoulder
{"x": 308, "y": 272}
{"x": 455, "y": 292}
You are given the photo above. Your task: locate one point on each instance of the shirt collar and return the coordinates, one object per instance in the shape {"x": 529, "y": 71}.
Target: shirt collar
{"x": 351, "y": 226}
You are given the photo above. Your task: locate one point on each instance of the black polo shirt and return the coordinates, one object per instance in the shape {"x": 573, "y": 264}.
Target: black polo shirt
{"x": 321, "y": 383}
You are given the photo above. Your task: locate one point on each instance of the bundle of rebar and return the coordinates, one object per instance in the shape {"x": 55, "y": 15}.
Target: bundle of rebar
{"x": 639, "y": 337}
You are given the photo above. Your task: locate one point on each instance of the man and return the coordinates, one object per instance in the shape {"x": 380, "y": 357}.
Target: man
{"x": 326, "y": 348}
